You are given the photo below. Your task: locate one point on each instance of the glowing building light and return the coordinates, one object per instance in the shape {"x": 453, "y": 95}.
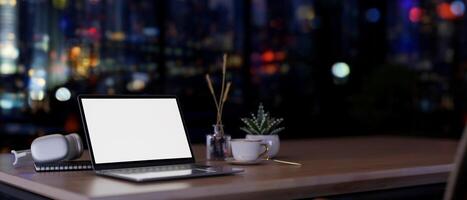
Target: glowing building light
{"x": 373, "y": 15}
{"x": 11, "y": 36}
{"x": 59, "y": 4}
{"x": 268, "y": 56}
{"x": 43, "y": 43}
{"x": 63, "y": 94}
{"x": 8, "y": 48}
{"x": 38, "y": 82}
{"x": 136, "y": 85}
{"x": 31, "y": 72}
{"x": 6, "y": 104}
{"x": 270, "y": 69}
{"x": 92, "y": 31}
{"x": 37, "y": 72}
{"x": 9, "y": 51}
{"x": 444, "y": 11}
{"x": 415, "y": 14}
{"x": 36, "y": 95}
{"x": 151, "y": 31}
{"x": 236, "y": 60}
{"x": 305, "y": 13}
{"x": 458, "y": 8}
{"x": 117, "y": 36}
{"x": 340, "y": 70}
{"x": 7, "y": 68}
{"x": 75, "y": 52}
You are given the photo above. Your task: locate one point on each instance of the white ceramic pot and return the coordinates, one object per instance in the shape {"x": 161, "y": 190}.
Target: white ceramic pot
{"x": 271, "y": 140}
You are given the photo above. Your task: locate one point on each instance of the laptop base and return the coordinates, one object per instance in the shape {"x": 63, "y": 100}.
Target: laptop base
{"x": 169, "y": 172}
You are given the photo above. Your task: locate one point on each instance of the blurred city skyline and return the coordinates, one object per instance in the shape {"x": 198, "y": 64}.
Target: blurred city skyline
{"x": 329, "y": 67}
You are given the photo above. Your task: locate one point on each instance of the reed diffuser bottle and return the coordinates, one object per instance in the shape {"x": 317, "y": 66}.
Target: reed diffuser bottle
{"x": 218, "y": 143}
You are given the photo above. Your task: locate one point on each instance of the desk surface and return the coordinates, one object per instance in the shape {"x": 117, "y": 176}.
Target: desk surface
{"x": 330, "y": 166}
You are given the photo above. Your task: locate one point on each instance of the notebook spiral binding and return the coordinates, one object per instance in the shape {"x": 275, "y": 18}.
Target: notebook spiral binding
{"x": 78, "y": 165}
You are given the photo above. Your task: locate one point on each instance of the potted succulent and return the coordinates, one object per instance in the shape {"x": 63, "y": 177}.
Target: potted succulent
{"x": 264, "y": 127}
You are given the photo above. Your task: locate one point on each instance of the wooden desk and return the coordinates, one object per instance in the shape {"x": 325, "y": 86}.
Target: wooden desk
{"x": 330, "y": 167}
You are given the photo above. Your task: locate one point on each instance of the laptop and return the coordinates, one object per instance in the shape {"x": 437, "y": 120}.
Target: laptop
{"x": 140, "y": 138}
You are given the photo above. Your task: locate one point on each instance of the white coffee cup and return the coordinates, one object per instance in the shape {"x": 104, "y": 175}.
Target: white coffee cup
{"x": 248, "y": 149}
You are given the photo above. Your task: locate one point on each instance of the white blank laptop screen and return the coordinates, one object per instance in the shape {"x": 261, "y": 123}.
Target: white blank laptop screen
{"x": 124, "y": 130}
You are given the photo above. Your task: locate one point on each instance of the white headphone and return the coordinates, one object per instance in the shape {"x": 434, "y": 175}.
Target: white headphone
{"x": 51, "y": 148}
{"x": 56, "y": 147}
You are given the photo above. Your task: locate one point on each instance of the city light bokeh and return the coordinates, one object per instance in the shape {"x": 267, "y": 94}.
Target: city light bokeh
{"x": 407, "y": 54}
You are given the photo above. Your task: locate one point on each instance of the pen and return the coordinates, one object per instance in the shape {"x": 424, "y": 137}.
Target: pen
{"x": 286, "y": 162}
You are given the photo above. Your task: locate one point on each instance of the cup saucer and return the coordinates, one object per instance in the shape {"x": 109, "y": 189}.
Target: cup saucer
{"x": 241, "y": 162}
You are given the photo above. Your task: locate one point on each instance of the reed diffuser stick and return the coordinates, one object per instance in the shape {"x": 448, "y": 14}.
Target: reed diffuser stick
{"x": 213, "y": 94}
{"x": 224, "y": 93}
{"x": 221, "y": 104}
{"x": 211, "y": 89}
{"x": 224, "y": 98}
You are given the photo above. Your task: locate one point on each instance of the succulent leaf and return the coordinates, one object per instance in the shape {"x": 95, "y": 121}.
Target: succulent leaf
{"x": 247, "y": 130}
{"x": 277, "y": 130}
{"x": 262, "y": 123}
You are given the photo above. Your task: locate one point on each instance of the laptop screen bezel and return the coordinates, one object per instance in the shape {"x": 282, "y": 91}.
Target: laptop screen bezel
{"x": 143, "y": 163}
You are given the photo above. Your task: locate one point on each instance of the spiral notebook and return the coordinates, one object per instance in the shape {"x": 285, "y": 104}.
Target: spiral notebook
{"x": 76, "y": 165}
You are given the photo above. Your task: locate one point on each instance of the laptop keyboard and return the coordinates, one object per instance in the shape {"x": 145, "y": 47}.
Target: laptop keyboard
{"x": 138, "y": 170}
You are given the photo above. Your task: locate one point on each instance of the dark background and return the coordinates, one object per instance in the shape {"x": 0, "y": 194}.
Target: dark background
{"x": 407, "y": 62}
